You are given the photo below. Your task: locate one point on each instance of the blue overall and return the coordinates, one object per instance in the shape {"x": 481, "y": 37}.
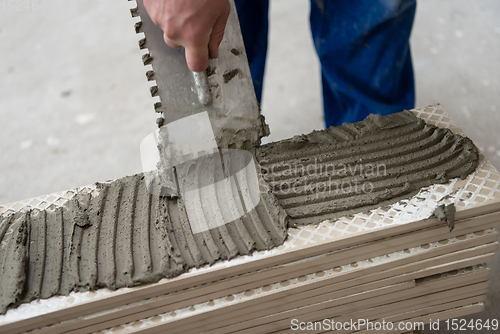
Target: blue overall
{"x": 363, "y": 47}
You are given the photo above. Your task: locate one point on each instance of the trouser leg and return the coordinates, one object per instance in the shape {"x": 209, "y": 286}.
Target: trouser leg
{"x": 253, "y": 16}
{"x": 364, "y": 50}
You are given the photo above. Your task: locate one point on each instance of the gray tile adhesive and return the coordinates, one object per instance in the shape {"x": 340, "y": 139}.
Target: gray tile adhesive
{"x": 122, "y": 236}
{"x": 361, "y": 166}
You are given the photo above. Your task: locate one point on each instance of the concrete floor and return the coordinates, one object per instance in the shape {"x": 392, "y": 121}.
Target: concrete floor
{"x": 75, "y": 104}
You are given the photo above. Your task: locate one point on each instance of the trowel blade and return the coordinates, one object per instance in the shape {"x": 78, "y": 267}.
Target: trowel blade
{"x": 233, "y": 109}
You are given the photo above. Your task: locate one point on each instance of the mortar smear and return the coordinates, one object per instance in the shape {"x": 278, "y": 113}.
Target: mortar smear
{"x": 121, "y": 236}
{"x": 446, "y": 213}
{"x": 359, "y": 166}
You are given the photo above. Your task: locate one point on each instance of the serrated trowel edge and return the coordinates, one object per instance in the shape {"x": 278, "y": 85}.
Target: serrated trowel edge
{"x": 234, "y": 111}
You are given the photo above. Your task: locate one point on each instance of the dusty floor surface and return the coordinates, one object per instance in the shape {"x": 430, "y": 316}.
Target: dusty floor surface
{"x": 75, "y": 104}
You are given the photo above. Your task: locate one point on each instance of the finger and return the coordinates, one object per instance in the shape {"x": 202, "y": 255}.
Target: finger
{"x": 170, "y": 42}
{"x": 197, "y": 59}
{"x": 217, "y": 34}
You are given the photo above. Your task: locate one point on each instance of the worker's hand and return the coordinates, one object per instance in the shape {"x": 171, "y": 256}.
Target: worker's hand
{"x": 197, "y": 25}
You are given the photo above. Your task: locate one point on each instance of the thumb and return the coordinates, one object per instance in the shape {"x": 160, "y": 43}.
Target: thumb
{"x": 197, "y": 58}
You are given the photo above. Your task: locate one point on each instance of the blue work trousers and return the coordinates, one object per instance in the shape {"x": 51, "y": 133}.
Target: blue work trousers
{"x": 363, "y": 47}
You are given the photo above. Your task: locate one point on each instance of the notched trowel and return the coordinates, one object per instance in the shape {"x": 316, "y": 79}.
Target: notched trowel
{"x": 225, "y": 91}
{"x": 210, "y": 122}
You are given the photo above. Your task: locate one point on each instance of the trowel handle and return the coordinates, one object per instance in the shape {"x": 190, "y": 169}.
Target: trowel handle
{"x": 202, "y": 88}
